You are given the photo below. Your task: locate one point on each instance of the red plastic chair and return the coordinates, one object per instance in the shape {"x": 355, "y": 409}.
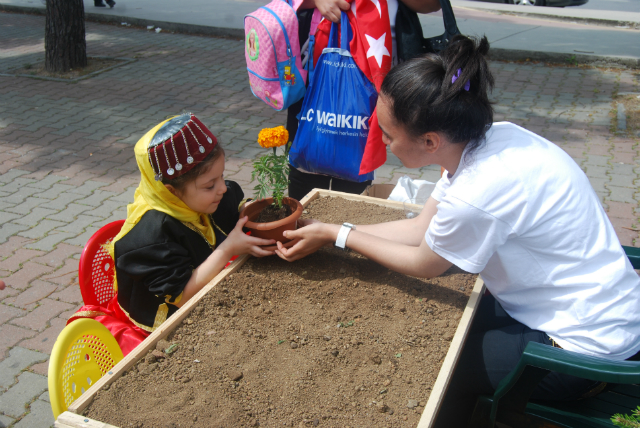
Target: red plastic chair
{"x": 97, "y": 268}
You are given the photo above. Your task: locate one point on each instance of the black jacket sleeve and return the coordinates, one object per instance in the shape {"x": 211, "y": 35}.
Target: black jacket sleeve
{"x": 164, "y": 268}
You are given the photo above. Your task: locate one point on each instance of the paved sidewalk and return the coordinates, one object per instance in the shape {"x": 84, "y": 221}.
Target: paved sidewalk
{"x": 67, "y": 167}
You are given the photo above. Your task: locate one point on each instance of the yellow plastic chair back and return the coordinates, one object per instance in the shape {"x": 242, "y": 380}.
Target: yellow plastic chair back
{"x": 84, "y": 351}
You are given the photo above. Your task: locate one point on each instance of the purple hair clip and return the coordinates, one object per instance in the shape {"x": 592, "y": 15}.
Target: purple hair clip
{"x": 467, "y": 85}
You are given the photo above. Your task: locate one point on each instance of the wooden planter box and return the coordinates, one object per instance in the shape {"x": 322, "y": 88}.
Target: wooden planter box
{"x": 73, "y": 417}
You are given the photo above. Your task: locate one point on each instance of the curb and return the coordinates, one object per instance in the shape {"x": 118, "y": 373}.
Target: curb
{"x": 580, "y": 20}
{"x": 174, "y": 27}
{"x": 499, "y": 54}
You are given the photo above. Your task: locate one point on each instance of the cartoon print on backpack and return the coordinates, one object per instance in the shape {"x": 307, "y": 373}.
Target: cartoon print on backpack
{"x": 267, "y": 97}
{"x": 289, "y": 77}
{"x": 252, "y": 45}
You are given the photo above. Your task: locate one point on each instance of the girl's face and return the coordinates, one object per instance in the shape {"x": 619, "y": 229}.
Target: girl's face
{"x": 408, "y": 149}
{"x": 203, "y": 194}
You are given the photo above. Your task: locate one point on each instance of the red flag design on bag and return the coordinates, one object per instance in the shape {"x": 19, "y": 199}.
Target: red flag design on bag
{"x": 370, "y": 47}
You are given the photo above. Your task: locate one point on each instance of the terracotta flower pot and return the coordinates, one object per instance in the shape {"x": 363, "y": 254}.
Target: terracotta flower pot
{"x": 274, "y": 229}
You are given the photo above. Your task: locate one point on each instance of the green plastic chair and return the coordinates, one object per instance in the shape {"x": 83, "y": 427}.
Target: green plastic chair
{"x": 510, "y": 405}
{"x": 634, "y": 256}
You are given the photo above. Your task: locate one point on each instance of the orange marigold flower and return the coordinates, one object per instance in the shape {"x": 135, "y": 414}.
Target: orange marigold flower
{"x": 273, "y": 137}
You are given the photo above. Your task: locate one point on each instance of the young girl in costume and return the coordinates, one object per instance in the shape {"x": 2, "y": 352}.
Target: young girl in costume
{"x": 181, "y": 230}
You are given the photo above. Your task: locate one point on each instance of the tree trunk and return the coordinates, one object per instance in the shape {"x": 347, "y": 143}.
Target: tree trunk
{"x": 64, "y": 39}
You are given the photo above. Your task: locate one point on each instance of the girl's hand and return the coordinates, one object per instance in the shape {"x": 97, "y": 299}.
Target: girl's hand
{"x": 313, "y": 235}
{"x": 238, "y": 242}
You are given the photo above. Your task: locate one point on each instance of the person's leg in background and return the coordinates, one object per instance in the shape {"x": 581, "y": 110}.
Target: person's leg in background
{"x": 301, "y": 183}
{"x": 349, "y": 186}
{"x": 492, "y": 350}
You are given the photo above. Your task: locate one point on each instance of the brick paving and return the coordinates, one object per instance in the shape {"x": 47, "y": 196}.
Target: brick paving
{"x": 67, "y": 166}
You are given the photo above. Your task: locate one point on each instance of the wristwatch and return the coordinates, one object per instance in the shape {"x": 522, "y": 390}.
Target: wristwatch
{"x": 341, "y": 240}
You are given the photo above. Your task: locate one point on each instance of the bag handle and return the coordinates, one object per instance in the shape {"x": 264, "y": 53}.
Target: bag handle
{"x": 344, "y": 35}
{"x": 450, "y": 24}
{"x": 333, "y": 43}
{"x": 450, "y": 28}
{"x": 345, "y": 29}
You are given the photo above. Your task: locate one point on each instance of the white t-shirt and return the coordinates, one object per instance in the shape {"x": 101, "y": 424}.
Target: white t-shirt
{"x": 522, "y": 214}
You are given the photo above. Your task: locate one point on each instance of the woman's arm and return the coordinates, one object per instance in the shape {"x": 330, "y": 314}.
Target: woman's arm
{"x": 330, "y": 9}
{"x": 422, "y": 6}
{"x": 418, "y": 261}
{"x": 409, "y": 232}
{"x": 398, "y": 245}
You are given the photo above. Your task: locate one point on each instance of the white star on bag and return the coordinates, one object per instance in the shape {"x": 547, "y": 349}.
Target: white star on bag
{"x": 377, "y": 49}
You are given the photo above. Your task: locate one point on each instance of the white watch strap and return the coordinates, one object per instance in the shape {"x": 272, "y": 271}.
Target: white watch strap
{"x": 341, "y": 240}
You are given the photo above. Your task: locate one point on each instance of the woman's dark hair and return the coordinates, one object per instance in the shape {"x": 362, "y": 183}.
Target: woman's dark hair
{"x": 179, "y": 183}
{"x": 423, "y": 98}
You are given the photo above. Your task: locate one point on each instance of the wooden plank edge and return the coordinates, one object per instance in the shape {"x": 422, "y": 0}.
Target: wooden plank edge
{"x": 150, "y": 342}
{"x": 451, "y": 359}
{"x": 163, "y": 331}
{"x": 311, "y": 196}
{"x": 71, "y": 420}
{"x": 361, "y": 198}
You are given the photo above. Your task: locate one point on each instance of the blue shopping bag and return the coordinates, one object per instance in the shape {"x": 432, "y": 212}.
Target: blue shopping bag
{"x": 334, "y": 120}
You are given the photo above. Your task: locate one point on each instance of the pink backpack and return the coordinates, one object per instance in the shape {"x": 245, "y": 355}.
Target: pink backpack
{"x": 272, "y": 51}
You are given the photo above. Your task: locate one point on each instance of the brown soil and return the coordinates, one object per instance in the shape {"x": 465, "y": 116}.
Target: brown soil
{"x": 93, "y": 64}
{"x": 333, "y": 340}
{"x": 273, "y": 213}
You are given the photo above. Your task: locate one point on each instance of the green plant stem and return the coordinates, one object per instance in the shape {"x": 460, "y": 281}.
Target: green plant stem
{"x": 272, "y": 173}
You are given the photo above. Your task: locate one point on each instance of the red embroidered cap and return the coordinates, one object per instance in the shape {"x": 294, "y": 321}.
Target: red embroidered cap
{"x": 179, "y": 145}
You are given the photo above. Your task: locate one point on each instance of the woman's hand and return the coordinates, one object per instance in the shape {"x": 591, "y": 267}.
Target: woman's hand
{"x": 313, "y": 235}
{"x": 331, "y": 9}
{"x": 238, "y": 242}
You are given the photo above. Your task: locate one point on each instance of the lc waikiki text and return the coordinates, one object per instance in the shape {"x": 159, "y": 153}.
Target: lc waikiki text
{"x": 337, "y": 120}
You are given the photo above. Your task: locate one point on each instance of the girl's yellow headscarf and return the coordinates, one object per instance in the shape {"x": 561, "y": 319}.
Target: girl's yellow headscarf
{"x": 153, "y": 195}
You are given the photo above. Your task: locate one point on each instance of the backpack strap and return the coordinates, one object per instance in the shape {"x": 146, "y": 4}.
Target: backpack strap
{"x": 284, "y": 30}
{"x": 309, "y": 58}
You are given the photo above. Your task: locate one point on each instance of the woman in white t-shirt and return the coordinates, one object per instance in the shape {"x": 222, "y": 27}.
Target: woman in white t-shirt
{"x": 512, "y": 207}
